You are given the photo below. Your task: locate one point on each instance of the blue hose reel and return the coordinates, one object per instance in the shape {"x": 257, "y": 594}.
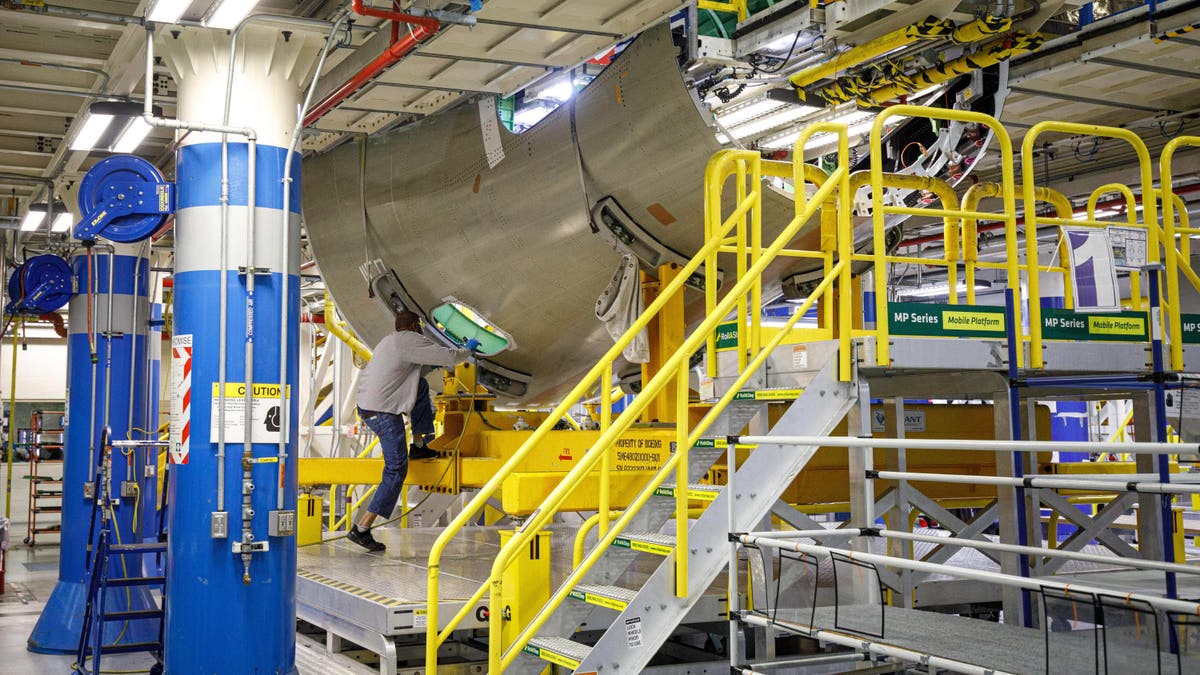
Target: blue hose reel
{"x": 39, "y": 286}
{"x": 123, "y": 199}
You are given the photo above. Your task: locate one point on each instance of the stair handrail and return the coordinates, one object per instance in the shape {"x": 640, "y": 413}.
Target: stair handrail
{"x": 602, "y": 371}
{"x": 675, "y": 368}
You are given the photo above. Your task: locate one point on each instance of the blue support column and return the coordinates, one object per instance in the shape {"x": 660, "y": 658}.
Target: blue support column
{"x": 253, "y": 622}
{"x": 100, "y": 394}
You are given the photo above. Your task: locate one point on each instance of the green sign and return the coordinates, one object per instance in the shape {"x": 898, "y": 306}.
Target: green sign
{"x": 727, "y": 336}
{"x": 943, "y": 320}
{"x": 1191, "y": 328}
{"x": 1064, "y": 324}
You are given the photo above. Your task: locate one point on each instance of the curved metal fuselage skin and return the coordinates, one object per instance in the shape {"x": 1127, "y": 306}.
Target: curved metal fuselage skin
{"x": 514, "y": 241}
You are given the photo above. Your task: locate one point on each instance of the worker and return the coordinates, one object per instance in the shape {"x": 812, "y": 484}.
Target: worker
{"x": 392, "y": 385}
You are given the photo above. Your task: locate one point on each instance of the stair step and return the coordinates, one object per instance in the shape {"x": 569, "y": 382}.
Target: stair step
{"x": 136, "y": 581}
{"x": 647, "y": 542}
{"x": 697, "y": 491}
{"x": 133, "y": 615}
{"x": 47, "y": 509}
{"x": 128, "y": 648}
{"x": 612, "y": 597}
{"x": 145, "y": 547}
{"x": 557, "y": 650}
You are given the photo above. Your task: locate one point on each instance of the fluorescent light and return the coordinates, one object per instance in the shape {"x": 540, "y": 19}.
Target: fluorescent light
{"x": 33, "y": 220}
{"x": 769, "y": 122}
{"x": 132, "y": 136}
{"x": 62, "y": 222}
{"x": 167, "y": 11}
{"x": 228, "y": 14}
{"x": 742, "y": 113}
{"x": 530, "y": 115}
{"x": 560, "y": 91}
{"x": 936, "y": 290}
{"x": 92, "y": 130}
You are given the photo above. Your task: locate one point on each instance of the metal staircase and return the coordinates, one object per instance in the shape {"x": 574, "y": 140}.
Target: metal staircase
{"x": 650, "y": 614}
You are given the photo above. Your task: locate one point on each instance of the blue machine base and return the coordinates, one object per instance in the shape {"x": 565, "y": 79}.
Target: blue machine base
{"x": 57, "y": 629}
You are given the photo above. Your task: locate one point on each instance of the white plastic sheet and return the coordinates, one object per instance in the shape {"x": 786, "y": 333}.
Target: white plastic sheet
{"x": 620, "y": 305}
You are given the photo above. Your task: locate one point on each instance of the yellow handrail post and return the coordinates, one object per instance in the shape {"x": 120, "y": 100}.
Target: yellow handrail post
{"x": 743, "y": 326}
{"x": 1169, "y": 197}
{"x": 606, "y": 458}
{"x": 681, "y": 482}
{"x": 845, "y": 251}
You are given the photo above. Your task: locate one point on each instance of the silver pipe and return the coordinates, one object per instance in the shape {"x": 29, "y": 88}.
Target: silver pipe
{"x": 108, "y": 337}
{"x": 251, "y": 135}
{"x": 1133, "y": 485}
{"x": 809, "y": 534}
{"x": 285, "y": 247}
{"x": 874, "y": 648}
{"x": 984, "y": 445}
{"x": 104, "y": 77}
{"x": 248, "y": 402}
{"x": 731, "y": 513}
{"x": 137, "y": 266}
{"x": 987, "y": 545}
{"x": 29, "y": 89}
{"x": 815, "y": 660}
{"x": 998, "y": 578}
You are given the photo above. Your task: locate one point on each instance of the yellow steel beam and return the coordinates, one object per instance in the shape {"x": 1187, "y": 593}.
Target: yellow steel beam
{"x": 927, "y": 29}
{"x": 523, "y": 493}
{"x": 988, "y": 55}
{"x": 339, "y": 471}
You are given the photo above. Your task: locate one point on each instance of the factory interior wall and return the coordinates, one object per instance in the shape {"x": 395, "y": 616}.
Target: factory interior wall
{"x": 41, "y": 370}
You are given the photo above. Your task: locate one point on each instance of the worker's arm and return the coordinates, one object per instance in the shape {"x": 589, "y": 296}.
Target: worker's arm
{"x": 427, "y": 353}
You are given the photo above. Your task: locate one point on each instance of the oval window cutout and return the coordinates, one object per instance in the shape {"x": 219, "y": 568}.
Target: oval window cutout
{"x": 461, "y": 323}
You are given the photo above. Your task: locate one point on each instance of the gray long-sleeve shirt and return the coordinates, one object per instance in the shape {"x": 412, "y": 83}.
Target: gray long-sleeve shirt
{"x": 389, "y": 382}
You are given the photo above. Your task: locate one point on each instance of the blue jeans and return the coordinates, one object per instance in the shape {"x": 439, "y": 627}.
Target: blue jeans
{"x": 390, "y": 430}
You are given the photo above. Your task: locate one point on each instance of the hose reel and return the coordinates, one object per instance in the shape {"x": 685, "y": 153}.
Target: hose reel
{"x": 124, "y": 199}
{"x": 40, "y": 285}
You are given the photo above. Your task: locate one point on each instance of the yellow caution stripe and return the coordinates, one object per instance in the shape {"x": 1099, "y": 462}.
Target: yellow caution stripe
{"x": 349, "y": 588}
{"x": 643, "y": 546}
{"x": 553, "y": 657}
{"x": 706, "y": 495}
{"x": 599, "y": 600}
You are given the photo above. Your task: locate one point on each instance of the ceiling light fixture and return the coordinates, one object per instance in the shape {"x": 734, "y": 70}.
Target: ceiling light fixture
{"x": 37, "y": 215}
{"x": 167, "y": 11}
{"x": 227, "y": 14}
{"x": 939, "y": 289}
{"x": 115, "y": 126}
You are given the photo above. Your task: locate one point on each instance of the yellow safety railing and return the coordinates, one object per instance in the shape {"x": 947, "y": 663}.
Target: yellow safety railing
{"x": 738, "y": 7}
{"x": 1176, "y": 253}
{"x": 1149, "y": 212}
{"x": 744, "y": 223}
{"x": 879, "y": 256}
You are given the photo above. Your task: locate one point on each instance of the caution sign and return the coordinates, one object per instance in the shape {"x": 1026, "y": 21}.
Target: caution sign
{"x": 181, "y": 399}
{"x": 266, "y": 417}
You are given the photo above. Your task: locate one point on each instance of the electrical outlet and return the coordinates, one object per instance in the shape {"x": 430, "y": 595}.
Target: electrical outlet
{"x": 151, "y": 471}
{"x": 129, "y": 489}
{"x": 282, "y": 524}
{"x": 220, "y": 524}
{"x": 89, "y": 490}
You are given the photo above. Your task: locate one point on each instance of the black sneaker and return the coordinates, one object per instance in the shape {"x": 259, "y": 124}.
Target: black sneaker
{"x": 423, "y": 452}
{"x": 365, "y": 540}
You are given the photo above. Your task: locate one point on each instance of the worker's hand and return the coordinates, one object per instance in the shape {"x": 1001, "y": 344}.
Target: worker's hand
{"x": 472, "y": 345}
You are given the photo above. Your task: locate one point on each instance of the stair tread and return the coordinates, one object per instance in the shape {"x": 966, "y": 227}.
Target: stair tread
{"x": 133, "y": 614}
{"x": 650, "y": 537}
{"x": 703, "y": 487}
{"x": 560, "y": 645}
{"x": 127, "y": 647}
{"x": 135, "y": 581}
{"x": 614, "y": 592}
{"x": 144, "y": 547}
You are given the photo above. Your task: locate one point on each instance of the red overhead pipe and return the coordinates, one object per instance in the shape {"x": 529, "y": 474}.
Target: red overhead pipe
{"x": 55, "y": 318}
{"x": 1119, "y": 201}
{"x": 423, "y": 28}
